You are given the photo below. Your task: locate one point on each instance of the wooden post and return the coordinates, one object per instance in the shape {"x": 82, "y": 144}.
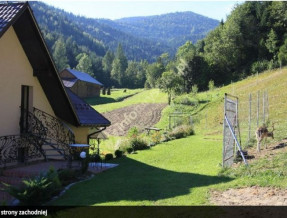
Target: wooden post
{"x": 267, "y": 105}
{"x": 258, "y": 108}
{"x": 263, "y": 108}
{"x": 249, "y": 118}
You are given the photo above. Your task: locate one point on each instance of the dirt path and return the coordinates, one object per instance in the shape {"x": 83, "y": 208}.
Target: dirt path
{"x": 139, "y": 115}
{"x": 255, "y": 195}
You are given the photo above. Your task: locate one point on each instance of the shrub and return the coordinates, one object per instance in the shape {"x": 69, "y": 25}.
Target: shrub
{"x": 211, "y": 85}
{"x": 181, "y": 131}
{"x": 186, "y": 100}
{"x": 53, "y": 177}
{"x": 35, "y": 191}
{"x": 259, "y": 66}
{"x": 95, "y": 158}
{"x": 66, "y": 176}
{"x": 118, "y": 153}
{"x": 109, "y": 156}
{"x": 139, "y": 144}
{"x": 133, "y": 132}
{"x": 130, "y": 150}
{"x": 124, "y": 145}
{"x": 156, "y": 137}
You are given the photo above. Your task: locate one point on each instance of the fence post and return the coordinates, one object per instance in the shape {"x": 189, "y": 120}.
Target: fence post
{"x": 267, "y": 105}
{"x": 249, "y": 118}
{"x": 258, "y": 108}
{"x": 263, "y": 108}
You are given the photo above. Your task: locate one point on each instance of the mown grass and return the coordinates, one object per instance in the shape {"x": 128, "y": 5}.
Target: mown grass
{"x": 181, "y": 172}
{"x": 146, "y": 96}
{"x": 115, "y": 96}
{"x": 171, "y": 173}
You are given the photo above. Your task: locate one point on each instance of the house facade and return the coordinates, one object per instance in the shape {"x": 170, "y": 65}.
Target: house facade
{"x": 81, "y": 83}
{"x": 40, "y": 118}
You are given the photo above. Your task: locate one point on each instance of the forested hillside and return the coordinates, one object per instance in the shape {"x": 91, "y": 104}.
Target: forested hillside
{"x": 252, "y": 39}
{"x": 163, "y": 33}
{"x": 173, "y": 29}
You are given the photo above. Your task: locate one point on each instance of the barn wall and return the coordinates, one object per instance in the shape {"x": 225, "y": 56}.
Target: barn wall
{"x": 86, "y": 90}
{"x": 67, "y": 75}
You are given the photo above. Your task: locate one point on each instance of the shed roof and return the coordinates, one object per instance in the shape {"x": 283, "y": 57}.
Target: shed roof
{"x": 21, "y": 18}
{"x": 84, "y": 77}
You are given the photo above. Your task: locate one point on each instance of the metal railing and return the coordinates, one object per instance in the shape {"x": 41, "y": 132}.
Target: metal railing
{"x": 58, "y": 135}
{"x": 38, "y": 128}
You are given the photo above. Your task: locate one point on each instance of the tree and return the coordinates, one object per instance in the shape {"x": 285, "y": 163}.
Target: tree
{"x": 170, "y": 83}
{"x": 108, "y": 61}
{"x": 84, "y": 63}
{"x": 119, "y": 66}
{"x": 60, "y": 54}
{"x": 282, "y": 56}
{"x": 154, "y": 72}
{"x": 271, "y": 43}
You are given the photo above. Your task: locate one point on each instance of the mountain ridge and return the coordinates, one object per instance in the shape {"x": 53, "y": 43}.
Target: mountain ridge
{"x": 107, "y": 34}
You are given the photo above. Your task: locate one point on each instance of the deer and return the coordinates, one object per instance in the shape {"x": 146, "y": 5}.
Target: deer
{"x": 261, "y": 133}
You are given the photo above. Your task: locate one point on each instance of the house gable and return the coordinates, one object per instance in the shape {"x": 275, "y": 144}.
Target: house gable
{"x": 16, "y": 71}
{"x": 19, "y": 16}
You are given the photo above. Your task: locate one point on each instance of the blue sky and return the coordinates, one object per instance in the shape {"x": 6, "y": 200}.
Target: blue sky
{"x": 113, "y": 9}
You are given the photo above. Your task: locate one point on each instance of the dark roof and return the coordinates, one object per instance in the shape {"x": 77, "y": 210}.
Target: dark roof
{"x": 84, "y": 77}
{"x": 86, "y": 114}
{"x": 7, "y": 12}
{"x": 20, "y": 16}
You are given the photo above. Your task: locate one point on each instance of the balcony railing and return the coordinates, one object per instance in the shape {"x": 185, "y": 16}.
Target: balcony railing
{"x": 37, "y": 129}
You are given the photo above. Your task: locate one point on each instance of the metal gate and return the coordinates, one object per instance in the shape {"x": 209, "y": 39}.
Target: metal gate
{"x": 231, "y": 132}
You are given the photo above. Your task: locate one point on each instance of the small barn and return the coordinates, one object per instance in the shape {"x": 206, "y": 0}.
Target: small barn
{"x": 82, "y": 84}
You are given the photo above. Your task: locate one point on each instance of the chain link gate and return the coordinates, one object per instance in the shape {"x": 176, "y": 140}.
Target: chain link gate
{"x": 231, "y": 131}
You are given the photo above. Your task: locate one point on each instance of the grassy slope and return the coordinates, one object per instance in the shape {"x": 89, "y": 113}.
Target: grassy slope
{"x": 146, "y": 96}
{"x": 181, "y": 172}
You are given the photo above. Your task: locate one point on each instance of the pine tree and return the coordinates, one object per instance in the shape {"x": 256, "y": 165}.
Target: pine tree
{"x": 119, "y": 66}
{"x": 60, "y": 54}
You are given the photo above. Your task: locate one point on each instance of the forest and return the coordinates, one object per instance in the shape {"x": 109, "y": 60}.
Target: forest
{"x": 252, "y": 39}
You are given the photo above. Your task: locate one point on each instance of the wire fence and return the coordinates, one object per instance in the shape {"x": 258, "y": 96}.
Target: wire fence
{"x": 262, "y": 109}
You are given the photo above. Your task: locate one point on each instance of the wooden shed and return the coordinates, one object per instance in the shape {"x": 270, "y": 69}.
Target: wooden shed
{"x": 82, "y": 84}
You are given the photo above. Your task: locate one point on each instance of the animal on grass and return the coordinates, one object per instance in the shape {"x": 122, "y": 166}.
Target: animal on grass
{"x": 263, "y": 133}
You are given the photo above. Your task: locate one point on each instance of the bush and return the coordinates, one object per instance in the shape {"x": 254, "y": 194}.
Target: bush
{"x": 156, "y": 137}
{"x": 133, "y": 132}
{"x": 138, "y": 144}
{"x": 186, "y": 100}
{"x": 181, "y": 131}
{"x": 109, "y": 156}
{"x": 95, "y": 158}
{"x": 118, "y": 153}
{"x": 35, "y": 191}
{"x": 53, "y": 177}
{"x": 259, "y": 66}
{"x": 125, "y": 146}
{"x": 66, "y": 176}
{"x": 130, "y": 150}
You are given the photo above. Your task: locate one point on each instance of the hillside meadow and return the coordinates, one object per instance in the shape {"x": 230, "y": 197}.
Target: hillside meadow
{"x": 184, "y": 171}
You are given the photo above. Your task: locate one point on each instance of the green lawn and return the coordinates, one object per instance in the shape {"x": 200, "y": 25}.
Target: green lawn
{"x": 146, "y": 96}
{"x": 115, "y": 96}
{"x": 172, "y": 173}
{"x": 181, "y": 172}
